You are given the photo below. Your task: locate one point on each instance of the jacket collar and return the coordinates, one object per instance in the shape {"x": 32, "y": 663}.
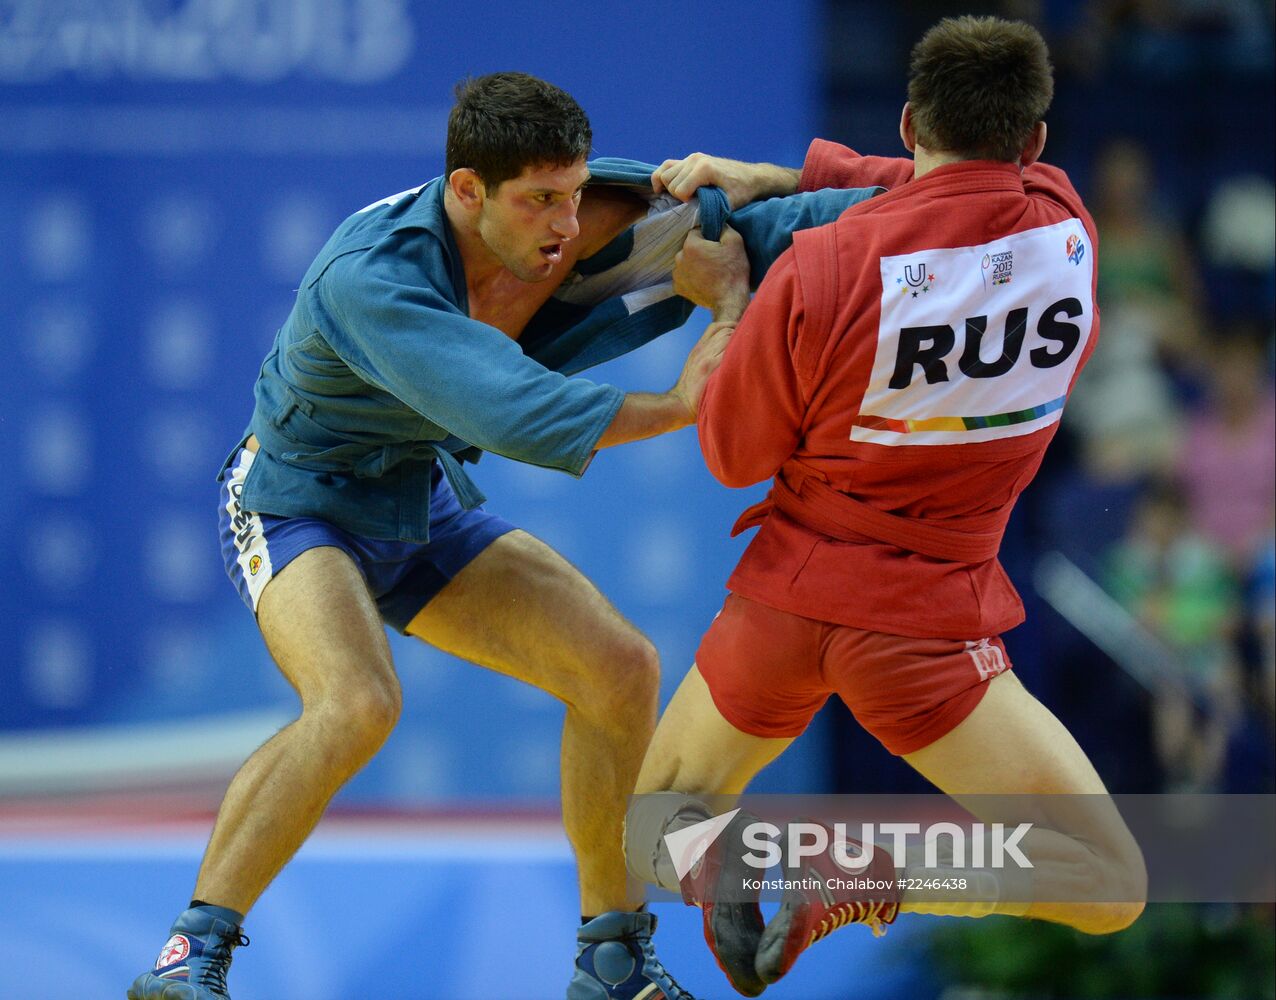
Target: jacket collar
{"x": 974, "y": 175}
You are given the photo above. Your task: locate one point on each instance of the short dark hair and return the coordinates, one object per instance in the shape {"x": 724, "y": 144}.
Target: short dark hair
{"x": 505, "y": 122}
{"x": 978, "y": 86}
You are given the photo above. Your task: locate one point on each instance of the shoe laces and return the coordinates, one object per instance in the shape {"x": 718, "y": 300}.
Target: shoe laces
{"x": 217, "y": 956}
{"x": 653, "y": 968}
{"x": 876, "y": 914}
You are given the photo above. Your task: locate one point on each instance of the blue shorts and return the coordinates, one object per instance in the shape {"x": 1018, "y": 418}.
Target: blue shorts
{"x": 403, "y": 577}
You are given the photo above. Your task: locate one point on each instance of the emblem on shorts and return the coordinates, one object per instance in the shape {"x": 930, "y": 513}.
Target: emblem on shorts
{"x": 254, "y": 564}
{"x": 916, "y": 280}
{"x": 1075, "y": 248}
{"x": 176, "y": 950}
{"x": 988, "y": 659}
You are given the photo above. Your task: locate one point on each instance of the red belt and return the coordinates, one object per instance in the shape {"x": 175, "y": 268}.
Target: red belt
{"x": 816, "y": 505}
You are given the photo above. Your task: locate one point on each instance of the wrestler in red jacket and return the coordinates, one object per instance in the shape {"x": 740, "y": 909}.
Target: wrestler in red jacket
{"x": 899, "y": 374}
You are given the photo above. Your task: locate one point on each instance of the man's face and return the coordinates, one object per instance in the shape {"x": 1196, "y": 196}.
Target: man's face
{"x": 529, "y": 219}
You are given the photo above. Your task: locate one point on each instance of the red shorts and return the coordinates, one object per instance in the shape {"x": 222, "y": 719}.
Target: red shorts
{"x": 770, "y": 671}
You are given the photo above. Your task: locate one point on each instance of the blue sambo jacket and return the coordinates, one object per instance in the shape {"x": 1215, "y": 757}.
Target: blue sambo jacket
{"x": 379, "y": 371}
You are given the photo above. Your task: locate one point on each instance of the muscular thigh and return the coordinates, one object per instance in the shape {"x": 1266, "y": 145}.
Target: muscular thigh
{"x": 522, "y": 609}
{"x": 1011, "y": 760}
{"x": 1011, "y": 744}
{"x": 322, "y": 627}
{"x": 696, "y": 750}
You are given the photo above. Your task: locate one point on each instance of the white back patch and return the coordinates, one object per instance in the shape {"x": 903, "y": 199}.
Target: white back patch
{"x": 979, "y": 343}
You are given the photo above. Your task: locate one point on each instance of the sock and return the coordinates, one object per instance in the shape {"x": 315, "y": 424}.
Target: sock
{"x": 220, "y": 912}
{"x": 650, "y": 818}
{"x": 586, "y": 919}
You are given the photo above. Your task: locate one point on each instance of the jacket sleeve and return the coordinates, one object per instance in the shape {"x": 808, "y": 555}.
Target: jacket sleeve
{"x": 751, "y": 415}
{"x": 401, "y": 334}
{"x": 832, "y": 165}
{"x": 767, "y": 227}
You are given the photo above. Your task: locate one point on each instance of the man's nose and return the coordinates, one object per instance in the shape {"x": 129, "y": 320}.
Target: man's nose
{"x": 567, "y": 225}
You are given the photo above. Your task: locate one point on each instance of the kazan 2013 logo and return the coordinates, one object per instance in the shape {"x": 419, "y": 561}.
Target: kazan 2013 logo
{"x": 1076, "y": 249}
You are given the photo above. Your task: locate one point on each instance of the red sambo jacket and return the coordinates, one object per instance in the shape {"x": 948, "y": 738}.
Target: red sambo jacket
{"x": 900, "y": 373}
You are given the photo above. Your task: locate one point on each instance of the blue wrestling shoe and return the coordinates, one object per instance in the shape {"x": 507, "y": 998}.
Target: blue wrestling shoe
{"x": 193, "y": 963}
{"x": 615, "y": 960}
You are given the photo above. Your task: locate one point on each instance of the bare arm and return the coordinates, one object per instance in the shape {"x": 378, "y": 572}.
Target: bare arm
{"x": 645, "y": 414}
{"x": 715, "y": 275}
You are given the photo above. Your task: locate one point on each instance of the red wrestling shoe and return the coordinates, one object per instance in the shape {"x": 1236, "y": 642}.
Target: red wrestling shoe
{"x": 830, "y": 897}
{"x": 732, "y": 918}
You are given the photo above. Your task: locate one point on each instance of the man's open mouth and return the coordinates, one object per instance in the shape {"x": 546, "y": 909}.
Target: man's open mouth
{"x": 552, "y": 253}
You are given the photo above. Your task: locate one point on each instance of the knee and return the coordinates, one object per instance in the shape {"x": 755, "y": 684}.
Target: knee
{"x": 1106, "y": 918}
{"x": 375, "y": 709}
{"x": 360, "y": 716}
{"x": 1124, "y": 914}
{"x": 1121, "y": 882}
{"x": 622, "y": 681}
{"x": 640, "y": 664}
{"x": 1131, "y": 892}
{"x": 1130, "y": 874}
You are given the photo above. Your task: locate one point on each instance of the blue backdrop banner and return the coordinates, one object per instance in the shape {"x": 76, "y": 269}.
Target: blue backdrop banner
{"x": 167, "y": 170}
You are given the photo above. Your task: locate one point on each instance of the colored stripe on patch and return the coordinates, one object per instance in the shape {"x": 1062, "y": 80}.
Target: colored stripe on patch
{"x": 959, "y": 423}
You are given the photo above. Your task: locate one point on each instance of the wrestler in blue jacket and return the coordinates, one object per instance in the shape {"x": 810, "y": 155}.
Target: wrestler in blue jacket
{"x": 378, "y": 370}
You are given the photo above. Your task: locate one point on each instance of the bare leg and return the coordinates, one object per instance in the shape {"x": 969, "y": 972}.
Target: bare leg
{"x": 698, "y": 752}
{"x": 695, "y": 752}
{"x": 1009, "y": 746}
{"x": 1012, "y": 746}
{"x": 324, "y": 631}
{"x": 521, "y": 609}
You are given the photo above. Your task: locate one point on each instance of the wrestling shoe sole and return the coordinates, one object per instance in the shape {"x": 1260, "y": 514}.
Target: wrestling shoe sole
{"x": 734, "y": 929}
{"x": 774, "y": 944}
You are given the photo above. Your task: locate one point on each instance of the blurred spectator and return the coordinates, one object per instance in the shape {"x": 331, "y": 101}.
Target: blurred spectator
{"x": 1262, "y": 603}
{"x": 1124, "y": 407}
{"x": 1145, "y": 256}
{"x": 1180, "y": 587}
{"x": 1167, "y": 38}
{"x": 1227, "y": 462}
{"x": 1239, "y": 241}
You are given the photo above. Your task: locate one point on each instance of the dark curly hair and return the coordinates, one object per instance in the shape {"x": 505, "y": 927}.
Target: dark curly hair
{"x": 505, "y": 122}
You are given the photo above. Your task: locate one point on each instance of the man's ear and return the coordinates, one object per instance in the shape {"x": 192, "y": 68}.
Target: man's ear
{"x": 467, "y": 187}
{"x": 1032, "y": 151}
{"x": 907, "y": 133}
